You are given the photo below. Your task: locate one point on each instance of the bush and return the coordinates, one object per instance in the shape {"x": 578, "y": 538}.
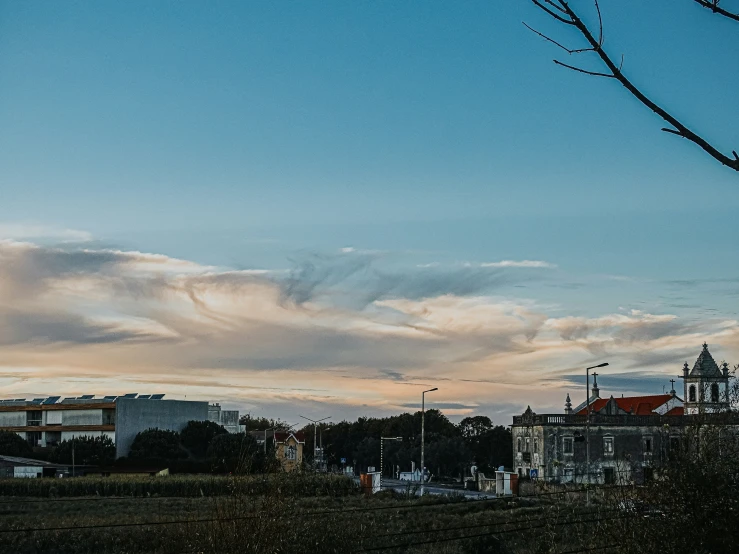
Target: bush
{"x": 96, "y": 451}
{"x": 197, "y": 436}
{"x": 12, "y": 444}
{"x": 157, "y": 445}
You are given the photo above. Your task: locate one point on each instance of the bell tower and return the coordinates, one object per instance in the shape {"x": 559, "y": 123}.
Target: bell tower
{"x": 706, "y": 386}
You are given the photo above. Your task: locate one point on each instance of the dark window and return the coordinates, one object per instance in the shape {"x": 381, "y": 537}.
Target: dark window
{"x": 609, "y": 476}
{"x": 536, "y": 445}
{"x": 647, "y": 444}
{"x": 33, "y": 438}
{"x": 518, "y": 445}
{"x": 567, "y": 445}
{"x": 33, "y": 418}
{"x": 691, "y": 393}
{"x": 608, "y": 445}
{"x": 674, "y": 443}
{"x": 714, "y": 392}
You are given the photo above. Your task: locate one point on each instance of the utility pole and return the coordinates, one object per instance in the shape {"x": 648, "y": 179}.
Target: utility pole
{"x": 423, "y": 436}
{"x": 73, "y": 456}
{"x": 315, "y": 432}
{"x": 385, "y": 439}
{"x": 587, "y": 426}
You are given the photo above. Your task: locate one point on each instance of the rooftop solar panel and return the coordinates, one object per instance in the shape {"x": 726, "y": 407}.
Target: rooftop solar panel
{"x": 51, "y": 400}
{"x": 157, "y": 396}
{"x": 144, "y": 396}
{"x": 87, "y": 396}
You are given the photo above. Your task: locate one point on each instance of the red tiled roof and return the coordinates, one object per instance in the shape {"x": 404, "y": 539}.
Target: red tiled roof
{"x": 641, "y": 405}
{"x": 677, "y": 410}
{"x": 281, "y": 436}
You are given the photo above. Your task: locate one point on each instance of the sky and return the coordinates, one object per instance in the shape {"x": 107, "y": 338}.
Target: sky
{"x": 321, "y": 208}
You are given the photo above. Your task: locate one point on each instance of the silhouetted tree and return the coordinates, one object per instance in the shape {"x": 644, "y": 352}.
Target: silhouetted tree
{"x": 12, "y": 444}
{"x": 197, "y": 436}
{"x": 95, "y": 451}
{"x": 156, "y": 445}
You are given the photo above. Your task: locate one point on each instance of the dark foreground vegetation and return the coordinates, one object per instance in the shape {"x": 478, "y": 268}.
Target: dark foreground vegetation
{"x": 690, "y": 508}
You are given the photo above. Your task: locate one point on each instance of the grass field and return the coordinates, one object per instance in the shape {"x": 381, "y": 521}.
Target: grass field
{"x": 296, "y": 514}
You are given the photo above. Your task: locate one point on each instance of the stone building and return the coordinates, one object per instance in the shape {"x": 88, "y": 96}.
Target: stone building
{"x": 289, "y": 449}
{"x": 629, "y": 436}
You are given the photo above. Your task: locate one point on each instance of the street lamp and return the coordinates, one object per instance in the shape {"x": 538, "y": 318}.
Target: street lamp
{"x": 385, "y": 439}
{"x": 423, "y": 412}
{"x": 315, "y": 434}
{"x": 587, "y": 425}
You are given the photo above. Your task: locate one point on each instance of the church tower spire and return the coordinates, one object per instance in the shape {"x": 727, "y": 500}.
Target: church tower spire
{"x": 706, "y": 386}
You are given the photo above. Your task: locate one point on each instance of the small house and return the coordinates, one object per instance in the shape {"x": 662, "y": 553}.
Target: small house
{"x": 289, "y": 449}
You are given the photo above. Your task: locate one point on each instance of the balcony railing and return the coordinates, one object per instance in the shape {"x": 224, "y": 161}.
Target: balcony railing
{"x": 625, "y": 419}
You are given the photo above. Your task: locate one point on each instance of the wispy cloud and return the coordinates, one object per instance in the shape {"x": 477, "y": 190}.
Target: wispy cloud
{"x": 356, "y": 331}
{"x": 519, "y": 263}
{"x": 29, "y": 231}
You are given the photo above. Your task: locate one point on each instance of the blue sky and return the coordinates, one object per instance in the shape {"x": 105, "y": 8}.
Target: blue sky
{"x": 436, "y": 136}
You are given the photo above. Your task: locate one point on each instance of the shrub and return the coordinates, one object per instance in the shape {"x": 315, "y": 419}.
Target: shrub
{"x": 197, "y": 436}
{"x": 12, "y": 444}
{"x": 156, "y": 445}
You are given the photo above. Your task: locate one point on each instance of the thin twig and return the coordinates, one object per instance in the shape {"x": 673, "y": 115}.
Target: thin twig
{"x": 563, "y": 47}
{"x": 715, "y": 8}
{"x": 554, "y": 15}
{"x": 594, "y": 73}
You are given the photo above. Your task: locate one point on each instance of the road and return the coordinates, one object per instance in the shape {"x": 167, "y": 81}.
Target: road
{"x": 405, "y": 486}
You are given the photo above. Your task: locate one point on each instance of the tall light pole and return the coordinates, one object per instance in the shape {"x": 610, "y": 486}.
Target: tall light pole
{"x": 423, "y": 434}
{"x": 315, "y": 433}
{"x": 385, "y": 439}
{"x": 587, "y": 425}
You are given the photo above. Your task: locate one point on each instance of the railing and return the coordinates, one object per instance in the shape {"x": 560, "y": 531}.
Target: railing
{"x": 625, "y": 419}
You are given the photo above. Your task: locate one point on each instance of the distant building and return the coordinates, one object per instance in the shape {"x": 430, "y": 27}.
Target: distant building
{"x": 629, "y": 436}
{"x": 45, "y": 422}
{"x": 228, "y": 419}
{"x": 289, "y": 449}
{"x": 13, "y": 466}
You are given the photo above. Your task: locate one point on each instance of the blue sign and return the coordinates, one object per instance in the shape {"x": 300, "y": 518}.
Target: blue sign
{"x": 343, "y": 460}
{"x": 534, "y": 473}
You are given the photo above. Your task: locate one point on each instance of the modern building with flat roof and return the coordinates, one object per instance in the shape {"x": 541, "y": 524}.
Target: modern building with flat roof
{"x": 45, "y": 422}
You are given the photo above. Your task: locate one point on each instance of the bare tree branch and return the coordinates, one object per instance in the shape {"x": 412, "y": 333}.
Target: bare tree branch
{"x": 594, "y": 73}
{"x": 715, "y": 8}
{"x": 596, "y": 44}
{"x": 550, "y": 12}
{"x": 550, "y": 39}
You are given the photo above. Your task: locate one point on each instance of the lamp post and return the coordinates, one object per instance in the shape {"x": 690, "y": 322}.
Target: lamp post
{"x": 315, "y": 433}
{"x": 587, "y": 426}
{"x": 423, "y": 438}
{"x": 385, "y": 439}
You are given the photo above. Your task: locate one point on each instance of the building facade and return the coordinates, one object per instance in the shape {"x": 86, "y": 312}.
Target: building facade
{"x": 289, "y": 449}
{"x": 228, "y": 419}
{"x": 629, "y": 436}
{"x": 45, "y": 422}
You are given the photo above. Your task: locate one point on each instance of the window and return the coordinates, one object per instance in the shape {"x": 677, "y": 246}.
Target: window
{"x": 33, "y": 438}
{"x": 691, "y": 393}
{"x": 648, "y": 444}
{"x": 609, "y": 475}
{"x": 714, "y": 392}
{"x": 567, "y": 445}
{"x": 528, "y": 444}
{"x": 568, "y": 476}
{"x": 648, "y": 474}
{"x": 518, "y": 444}
{"x": 608, "y": 446}
{"x": 291, "y": 453}
{"x": 536, "y": 446}
{"x": 33, "y": 418}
